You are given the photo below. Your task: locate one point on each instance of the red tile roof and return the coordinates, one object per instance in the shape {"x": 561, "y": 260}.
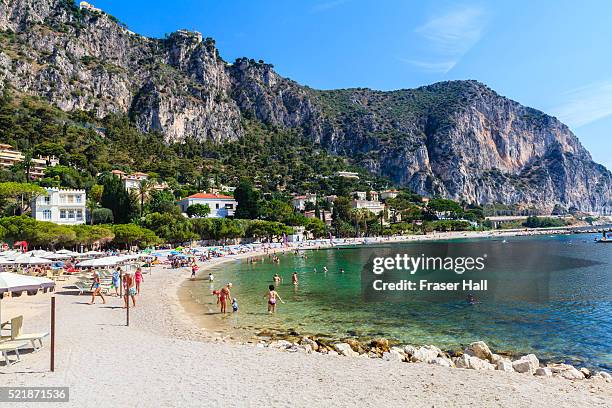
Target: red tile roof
{"x": 211, "y": 196}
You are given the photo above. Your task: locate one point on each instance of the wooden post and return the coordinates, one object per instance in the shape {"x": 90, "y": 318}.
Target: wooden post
{"x": 52, "y": 333}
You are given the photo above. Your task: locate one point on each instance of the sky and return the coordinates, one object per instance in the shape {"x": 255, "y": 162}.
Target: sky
{"x": 551, "y": 55}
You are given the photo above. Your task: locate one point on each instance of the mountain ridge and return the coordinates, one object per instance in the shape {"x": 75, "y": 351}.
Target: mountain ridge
{"x": 457, "y": 139}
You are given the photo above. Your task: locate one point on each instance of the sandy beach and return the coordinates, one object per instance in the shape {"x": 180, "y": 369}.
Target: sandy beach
{"x": 166, "y": 358}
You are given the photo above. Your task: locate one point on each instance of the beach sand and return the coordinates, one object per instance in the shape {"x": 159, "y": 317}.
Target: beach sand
{"x": 166, "y": 359}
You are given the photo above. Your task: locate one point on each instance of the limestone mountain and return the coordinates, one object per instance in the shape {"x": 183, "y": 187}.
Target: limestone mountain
{"x": 455, "y": 139}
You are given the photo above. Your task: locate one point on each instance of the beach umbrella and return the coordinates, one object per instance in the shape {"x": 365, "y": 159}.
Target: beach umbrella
{"x": 57, "y": 256}
{"x": 31, "y": 260}
{"x": 14, "y": 282}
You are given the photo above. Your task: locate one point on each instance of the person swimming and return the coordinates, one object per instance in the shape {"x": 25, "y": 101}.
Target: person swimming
{"x": 471, "y": 299}
{"x": 325, "y": 269}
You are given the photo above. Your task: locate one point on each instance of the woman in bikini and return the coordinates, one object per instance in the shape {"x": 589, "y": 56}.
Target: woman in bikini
{"x": 272, "y": 297}
{"x": 96, "y": 289}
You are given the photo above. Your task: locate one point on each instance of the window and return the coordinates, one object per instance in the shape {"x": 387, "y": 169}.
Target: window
{"x": 78, "y": 198}
{"x": 63, "y": 214}
{"x": 62, "y": 198}
{"x": 79, "y": 215}
{"x": 47, "y": 200}
{"x": 71, "y": 214}
{"x": 46, "y": 214}
{"x": 217, "y": 206}
{"x": 70, "y": 199}
{"x": 229, "y": 206}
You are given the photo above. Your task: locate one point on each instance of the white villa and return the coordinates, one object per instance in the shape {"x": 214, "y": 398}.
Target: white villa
{"x": 221, "y": 206}
{"x": 10, "y": 157}
{"x": 348, "y": 174}
{"x": 373, "y": 206}
{"x": 299, "y": 202}
{"x": 388, "y": 194}
{"x": 61, "y": 206}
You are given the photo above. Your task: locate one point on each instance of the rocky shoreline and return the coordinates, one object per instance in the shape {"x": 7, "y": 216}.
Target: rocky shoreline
{"x": 476, "y": 356}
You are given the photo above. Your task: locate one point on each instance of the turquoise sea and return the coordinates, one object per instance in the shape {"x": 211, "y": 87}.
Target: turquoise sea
{"x": 549, "y": 295}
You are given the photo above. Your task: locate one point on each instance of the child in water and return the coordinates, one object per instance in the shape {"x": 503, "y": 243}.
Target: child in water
{"x": 272, "y": 296}
{"x": 234, "y": 305}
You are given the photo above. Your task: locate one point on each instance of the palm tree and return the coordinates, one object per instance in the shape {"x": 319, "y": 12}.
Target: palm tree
{"x": 91, "y": 205}
{"x": 144, "y": 187}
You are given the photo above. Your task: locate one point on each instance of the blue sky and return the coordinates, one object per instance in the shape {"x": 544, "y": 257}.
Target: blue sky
{"x": 551, "y": 55}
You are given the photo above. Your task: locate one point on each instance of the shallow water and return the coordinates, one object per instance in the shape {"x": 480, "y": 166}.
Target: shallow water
{"x": 548, "y": 295}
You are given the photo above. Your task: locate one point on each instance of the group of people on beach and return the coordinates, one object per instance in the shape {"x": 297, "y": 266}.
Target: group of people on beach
{"x": 130, "y": 284}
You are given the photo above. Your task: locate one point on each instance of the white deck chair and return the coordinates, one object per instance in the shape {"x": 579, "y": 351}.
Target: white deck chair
{"x": 6, "y": 346}
{"x": 18, "y": 335}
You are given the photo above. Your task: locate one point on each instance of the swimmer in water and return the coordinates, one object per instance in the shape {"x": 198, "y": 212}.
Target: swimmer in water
{"x": 295, "y": 278}
{"x": 341, "y": 270}
{"x": 325, "y": 269}
{"x": 277, "y": 279}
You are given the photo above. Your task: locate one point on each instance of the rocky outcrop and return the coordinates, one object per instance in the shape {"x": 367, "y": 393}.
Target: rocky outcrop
{"x": 456, "y": 139}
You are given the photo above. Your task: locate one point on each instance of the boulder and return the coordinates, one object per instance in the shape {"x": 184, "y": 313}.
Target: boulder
{"x": 355, "y": 345}
{"x": 602, "y": 376}
{"x": 495, "y": 358}
{"x": 476, "y": 363}
{"x": 393, "y": 355}
{"x": 558, "y": 368}
{"x": 425, "y": 354}
{"x": 280, "y": 344}
{"x": 345, "y": 350}
{"x": 586, "y": 372}
{"x": 526, "y": 364}
{"x": 381, "y": 344}
{"x": 409, "y": 351}
{"x": 473, "y": 363}
{"x": 504, "y": 365}
{"x": 543, "y": 372}
{"x": 443, "y": 361}
{"x": 309, "y": 342}
{"x": 572, "y": 374}
{"x": 332, "y": 353}
{"x": 479, "y": 349}
{"x": 462, "y": 362}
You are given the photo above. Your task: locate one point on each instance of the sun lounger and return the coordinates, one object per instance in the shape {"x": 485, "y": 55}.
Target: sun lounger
{"x": 18, "y": 335}
{"x": 83, "y": 286}
{"x": 10, "y": 345}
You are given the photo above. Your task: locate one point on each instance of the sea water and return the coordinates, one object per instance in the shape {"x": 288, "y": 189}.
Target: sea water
{"x": 569, "y": 321}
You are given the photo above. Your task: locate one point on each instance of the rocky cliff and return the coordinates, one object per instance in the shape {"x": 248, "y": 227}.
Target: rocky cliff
{"x": 456, "y": 139}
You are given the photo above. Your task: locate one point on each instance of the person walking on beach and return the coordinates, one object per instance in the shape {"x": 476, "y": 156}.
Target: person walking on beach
{"x": 129, "y": 289}
{"x": 96, "y": 289}
{"x": 224, "y": 295}
{"x": 194, "y": 270}
{"x": 116, "y": 281}
{"x": 295, "y": 278}
{"x": 139, "y": 279}
{"x": 272, "y": 297}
